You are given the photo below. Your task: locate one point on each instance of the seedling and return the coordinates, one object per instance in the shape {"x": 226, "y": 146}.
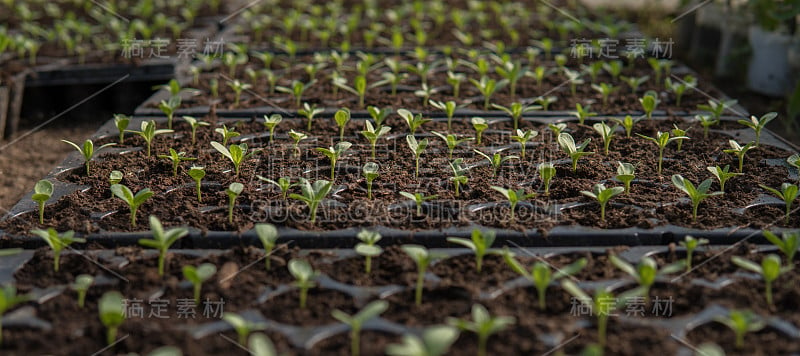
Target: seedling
{"x": 516, "y": 110}
{"x": 739, "y": 151}
{"x": 414, "y": 122}
{"x": 741, "y": 322}
{"x": 602, "y": 305}
{"x": 168, "y": 107}
{"x": 603, "y": 195}
{"x": 81, "y": 286}
{"x": 149, "y": 133}
{"x": 582, "y": 113}
{"x": 194, "y": 124}
{"x": 496, "y": 160}
{"x": 197, "y": 174}
{"x": 334, "y": 153}
{"x": 546, "y": 172}
{"x": 545, "y": 101}
{"x": 356, "y": 321}
{"x": 788, "y": 243}
{"x": 716, "y": 108}
{"x": 722, "y": 175}
{"x": 57, "y": 242}
{"x": 238, "y": 87}
{"x": 649, "y": 102}
{"x": 133, "y": 201}
{"x": 448, "y": 107}
{"x": 111, "y": 307}
{"x": 678, "y": 132}
{"x": 523, "y": 137}
{"x": 242, "y": 326}
{"x": 487, "y": 87}
{"x": 557, "y": 129}
{"x": 435, "y": 341}
{"x": 378, "y": 114}
{"x": 227, "y": 133}
{"x": 788, "y": 193}
{"x": 121, "y": 122}
{"x": 341, "y": 117}
{"x": 539, "y": 74}
{"x": 451, "y": 141}
{"x": 418, "y": 199}
{"x": 417, "y": 147}
{"x": 370, "y": 171}
{"x": 368, "y": 247}
{"x": 304, "y": 277}
{"x": 575, "y": 153}
{"x": 706, "y": 121}
{"x": 423, "y": 258}
{"x": 233, "y": 192}
{"x": 176, "y": 158}
{"x": 87, "y": 151}
{"x": 283, "y": 184}
{"x": 606, "y": 133}
{"x": 296, "y": 90}
{"x": 297, "y": 137}
{"x": 162, "y": 240}
{"x": 42, "y": 192}
{"x": 662, "y": 139}
{"x": 511, "y": 72}
{"x": 309, "y": 111}
{"x": 627, "y": 123}
{"x": 483, "y": 324}
{"x": 480, "y": 125}
{"x": 480, "y": 243}
{"x": 268, "y": 235}
{"x": 645, "y": 273}
{"x": 313, "y": 194}
{"x": 794, "y": 161}
{"x": 235, "y": 153}
{"x": 271, "y": 122}
{"x": 605, "y": 91}
{"x": 197, "y": 276}
{"x": 372, "y": 134}
{"x": 635, "y": 82}
{"x": 680, "y": 87}
{"x": 458, "y": 177}
{"x": 758, "y": 124}
{"x": 660, "y": 67}
{"x": 425, "y": 92}
{"x": 540, "y": 274}
{"x": 697, "y": 195}
{"x": 574, "y": 79}
{"x": 691, "y": 244}
{"x": 626, "y": 174}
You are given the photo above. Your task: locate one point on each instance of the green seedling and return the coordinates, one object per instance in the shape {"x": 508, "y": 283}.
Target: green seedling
{"x": 496, "y": 160}
{"x": 435, "y": 341}
{"x": 370, "y": 171}
{"x": 242, "y": 326}
{"x": 451, "y": 141}
{"x": 297, "y": 137}
{"x": 557, "y": 129}
{"x": 545, "y": 101}
{"x": 662, "y": 139}
{"x": 697, "y": 195}
{"x": 134, "y": 201}
{"x": 788, "y": 193}
{"x": 603, "y": 195}
{"x": 680, "y": 87}
{"x": 57, "y": 242}
{"x": 575, "y": 153}
{"x": 511, "y": 72}
{"x": 458, "y": 177}
{"x": 162, "y": 240}
{"x": 234, "y": 190}
{"x": 716, "y": 108}
{"x": 706, "y": 121}
{"x": 197, "y": 174}
{"x": 8, "y": 300}
{"x": 111, "y": 307}
{"x": 368, "y": 247}
{"x": 605, "y": 91}
{"x": 238, "y": 87}
{"x": 649, "y": 102}
{"x": 480, "y": 243}
{"x": 268, "y": 235}
{"x": 378, "y": 115}
{"x": 758, "y": 124}
{"x": 627, "y": 123}
{"x": 296, "y": 90}
{"x": 197, "y": 276}
{"x": 448, "y": 107}
{"x": 523, "y": 137}
{"x": 625, "y": 174}
{"x": 359, "y": 87}
{"x": 194, "y": 124}
{"x": 283, "y": 184}
{"x": 304, "y": 276}
{"x": 741, "y": 322}
{"x": 691, "y": 244}
{"x": 645, "y": 273}
{"x": 226, "y": 133}
{"x": 334, "y": 153}
{"x": 574, "y": 79}
{"x": 582, "y": 113}
{"x": 539, "y": 74}
{"x": 235, "y": 153}
{"x": 313, "y": 194}
{"x": 788, "y": 243}
{"x": 87, "y": 151}
{"x": 372, "y": 134}
{"x": 483, "y": 324}
{"x": 115, "y": 177}
{"x": 540, "y": 274}
{"x": 168, "y": 107}
{"x": 739, "y": 151}
{"x": 455, "y": 80}
{"x": 81, "y": 286}
{"x": 722, "y": 175}
{"x": 635, "y": 82}
{"x": 614, "y": 68}
{"x": 487, "y": 87}
{"x": 121, "y": 122}
{"x": 42, "y": 192}
{"x": 423, "y": 258}
{"x": 513, "y": 197}
{"x": 341, "y": 117}
{"x": 678, "y": 132}
{"x": 516, "y": 110}
{"x": 149, "y": 133}
{"x": 309, "y": 112}
{"x": 661, "y": 67}
{"x": 606, "y": 133}
{"x": 355, "y": 322}
{"x": 418, "y": 199}
{"x": 546, "y": 173}
{"x": 271, "y": 122}
{"x": 602, "y": 305}
{"x": 480, "y": 125}
{"x": 417, "y": 147}
{"x": 259, "y": 344}
{"x": 425, "y": 92}
{"x": 176, "y": 158}
{"x": 414, "y": 122}
{"x": 794, "y": 161}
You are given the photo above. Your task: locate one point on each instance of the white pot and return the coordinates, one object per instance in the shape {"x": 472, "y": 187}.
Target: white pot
{"x": 769, "y": 71}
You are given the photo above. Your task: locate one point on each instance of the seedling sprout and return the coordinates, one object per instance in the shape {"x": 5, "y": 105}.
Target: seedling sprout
{"x": 87, "y": 151}
{"x": 418, "y": 199}
{"x": 575, "y": 153}
{"x": 435, "y": 341}
{"x": 540, "y": 274}
{"x": 417, "y": 147}
{"x": 742, "y": 322}
{"x": 334, "y": 153}
{"x": 523, "y": 137}
{"x": 304, "y": 277}
{"x": 480, "y": 243}
{"x": 112, "y": 313}
{"x": 788, "y": 193}
{"x": 722, "y": 175}
{"x": 176, "y": 158}
{"x": 162, "y": 240}
{"x": 134, "y": 201}
{"x": 81, "y": 286}
{"x": 423, "y": 258}
{"x": 270, "y": 122}
{"x": 697, "y": 195}
{"x": 368, "y": 247}
{"x": 483, "y": 324}
{"x": 313, "y": 194}
{"x": 662, "y": 139}
{"x": 242, "y": 326}
{"x": 355, "y": 322}
{"x": 739, "y": 151}
{"x": 480, "y": 125}
{"x": 691, "y": 244}
{"x": 42, "y": 192}
{"x": 57, "y": 242}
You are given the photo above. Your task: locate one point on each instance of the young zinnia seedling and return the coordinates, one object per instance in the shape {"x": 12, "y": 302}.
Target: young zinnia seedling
{"x": 296, "y": 90}
{"x": 605, "y": 90}
{"x": 603, "y": 195}
{"x": 606, "y": 133}
{"x": 770, "y": 269}
{"x": 690, "y": 244}
{"x": 168, "y": 107}
{"x": 540, "y": 274}
{"x": 304, "y": 277}
{"x": 268, "y": 235}
{"x": 483, "y": 324}
{"x": 57, "y": 242}
{"x": 242, "y": 326}
{"x": 423, "y": 258}
{"x": 602, "y": 304}
{"x": 449, "y": 109}
{"x": 523, "y": 137}
{"x": 309, "y": 111}
{"x": 758, "y": 124}
{"x": 451, "y": 141}
{"x": 368, "y": 247}
{"x": 627, "y": 123}
{"x": 649, "y": 102}
{"x": 194, "y": 124}
{"x": 197, "y": 276}
{"x": 271, "y": 122}
{"x": 121, "y": 122}
{"x": 458, "y": 177}
{"x": 370, "y": 171}
{"x": 626, "y": 174}
{"x": 496, "y": 160}
{"x": 342, "y": 117}
{"x": 176, "y": 158}
{"x": 372, "y": 134}
{"x": 697, "y": 195}
{"x": 741, "y": 322}
{"x": 723, "y": 175}
{"x": 739, "y": 151}
{"x": 297, "y": 137}
{"x": 487, "y": 87}
{"x": 575, "y": 153}
{"x": 582, "y": 113}
{"x": 283, "y": 184}
{"x": 355, "y": 322}
{"x": 313, "y": 194}
{"x": 680, "y": 87}
{"x": 480, "y": 125}
{"x": 706, "y": 121}
{"x": 635, "y": 82}
{"x": 42, "y": 192}
{"x": 227, "y": 133}
{"x": 112, "y": 313}
{"x": 662, "y": 139}
{"x": 235, "y": 153}
{"x": 81, "y": 286}
{"x": 417, "y": 147}
{"x": 516, "y": 110}
{"x": 87, "y": 151}
{"x": 678, "y": 132}
{"x": 197, "y": 174}
{"x": 334, "y": 153}
{"x": 788, "y": 193}
{"x": 435, "y": 341}
{"x": 149, "y": 133}
{"x": 513, "y": 197}
{"x": 788, "y": 243}
{"x": 134, "y": 201}
{"x": 480, "y": 243}
{"x": 546, "y": 172}
{"x": 645, "y": 273}
{"x": 418, "y": 199}
{"x": 234, "y": 190}
{"x": 162, "y": 240}
{"x": 545, "y": 101}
